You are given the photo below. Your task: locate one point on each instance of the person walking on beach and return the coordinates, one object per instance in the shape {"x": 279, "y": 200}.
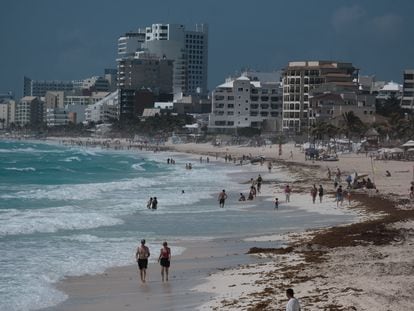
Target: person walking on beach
{"x": 277, "y": 203}
{"x": 288, "y": 190}
{"x": 165, "y": 260}
{"x": 320, "y": 190}
{"x": 293, "y": 303}
{"x": 314, "y": 193}
{"x": 222, "y": 198}
{"x": 141, "y": 256}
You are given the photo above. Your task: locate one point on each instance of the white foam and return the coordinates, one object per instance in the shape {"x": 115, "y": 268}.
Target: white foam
{"x": 80, "y": 191}
{"x": 71, "y": 159}
{"x": 13, "y": 222}
{"x": 138, "y": 166}
{"x": 21, "y": 169}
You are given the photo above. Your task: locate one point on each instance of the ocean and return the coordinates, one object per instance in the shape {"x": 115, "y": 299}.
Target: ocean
{"x": 69, "y": 211}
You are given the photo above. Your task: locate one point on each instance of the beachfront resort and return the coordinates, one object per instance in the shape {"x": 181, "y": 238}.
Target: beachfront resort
{"x": 148, "y": 187}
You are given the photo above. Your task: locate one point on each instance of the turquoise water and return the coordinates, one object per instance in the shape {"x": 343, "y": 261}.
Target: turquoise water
{"x": 70, "y": 211}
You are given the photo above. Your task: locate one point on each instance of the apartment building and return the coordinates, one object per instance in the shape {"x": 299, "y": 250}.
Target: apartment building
{"x": 407, "y": 100}
{"x": 105, "y": 110}
{"x": 29, "y": 110}
{"x": 38, "y": 88}
{"x": 188, "y": 49}
{"x": 300, "y": 78}
{"x": 246, "y": 102}
{"x": 146, "y": 70}
{"x": 328, "y": 104}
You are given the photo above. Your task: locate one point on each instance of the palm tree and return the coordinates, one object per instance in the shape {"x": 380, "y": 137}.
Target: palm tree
{"x": 352, "y": 125}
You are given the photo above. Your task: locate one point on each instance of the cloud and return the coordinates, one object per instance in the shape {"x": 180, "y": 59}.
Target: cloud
{"x": 388, "y": 26}
{"x": 346, "y": 17}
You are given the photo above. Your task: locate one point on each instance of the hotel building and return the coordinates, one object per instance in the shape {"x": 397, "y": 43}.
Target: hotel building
{"x": 300, "y": 78}
{"x": 187, "y": 48}
{"x": 246, "y": 102}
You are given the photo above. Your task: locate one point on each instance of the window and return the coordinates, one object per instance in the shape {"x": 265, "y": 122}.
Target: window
{"x": 230, "y": 97}
{"x": 265, "y": 91}
{"x": 274, "y": 114}
{"x": 274, "y": 98}
{"x": 264, "y": 113}
{"x": 230, "y": 106}
{"x": 253, "y": 113}
{"x": 220, "y": 123}
{"x": 254, "y": 98}
{"x": 240, "y": 89}
{"x": 254, "y": 106}
{"x": 264, "y": 98}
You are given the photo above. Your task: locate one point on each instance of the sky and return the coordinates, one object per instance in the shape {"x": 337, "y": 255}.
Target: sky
{"x": 76, "y": 39}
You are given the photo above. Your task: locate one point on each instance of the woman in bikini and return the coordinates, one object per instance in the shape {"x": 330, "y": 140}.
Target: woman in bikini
{"x": 164, "y": 259}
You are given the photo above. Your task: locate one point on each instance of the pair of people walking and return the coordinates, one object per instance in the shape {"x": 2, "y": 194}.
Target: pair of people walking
{"x": 142, "y": 254}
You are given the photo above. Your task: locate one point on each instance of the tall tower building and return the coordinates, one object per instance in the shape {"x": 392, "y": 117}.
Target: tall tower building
{"x": 407, "y": 100}
{"x": 187, "y": 48}
{"x": 299, "y": 78}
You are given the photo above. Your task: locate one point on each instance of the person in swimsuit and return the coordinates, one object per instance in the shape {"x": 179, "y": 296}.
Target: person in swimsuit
{"x": 154, "y": 203}
{"x": 165, "y": 259}
{"x": 222, "y": 198}
{"x": 141, "y": 256}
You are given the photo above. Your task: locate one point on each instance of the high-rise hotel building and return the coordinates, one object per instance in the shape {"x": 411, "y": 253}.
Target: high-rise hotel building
{"x": 407, "y": 100}
{"x": 188, "y": 49}
{"x": 300, "y": 78}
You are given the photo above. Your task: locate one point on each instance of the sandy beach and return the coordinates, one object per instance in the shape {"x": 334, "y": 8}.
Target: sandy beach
{"x": 362, "y": 266}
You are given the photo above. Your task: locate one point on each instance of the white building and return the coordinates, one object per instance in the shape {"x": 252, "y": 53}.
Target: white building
{"x": 105, "y": 110}
{"x": 246, "y": 102}
{"x": 29, "y": 110}
{"x": 7, "y": 113}
{"x": 388, "y": 90}
{"x": 187, "y": 48}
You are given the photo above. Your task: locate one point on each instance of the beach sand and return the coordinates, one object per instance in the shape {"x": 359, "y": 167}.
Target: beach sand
{"x": 363, "y": 266}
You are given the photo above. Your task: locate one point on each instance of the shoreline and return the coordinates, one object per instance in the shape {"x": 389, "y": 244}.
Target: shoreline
{"x": 312, "y": 250}
{"x": 228, "y": 263}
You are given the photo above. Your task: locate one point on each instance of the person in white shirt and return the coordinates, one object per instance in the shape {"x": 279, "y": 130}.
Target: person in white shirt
{"x": 293, "y": 303}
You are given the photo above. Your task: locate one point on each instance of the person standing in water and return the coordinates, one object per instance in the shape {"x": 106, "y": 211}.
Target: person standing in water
{"x": 149, "y": 204}
{"x": 288, "y": 190}
{"x": 222, "y": 198}
{"x": 259, "y": 183}
{"x": 165, "y": 260}
{"x": 154, "y": 203}
{"x": 141, "y": 256}
{"x": 314, "y": 193}
{"x": 320, "y": 190}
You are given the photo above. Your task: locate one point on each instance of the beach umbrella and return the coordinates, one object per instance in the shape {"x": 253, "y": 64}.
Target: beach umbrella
{"x": 410, "y": 149}
{"x": 396, "y": 150}
{"x": 409, "y": 143}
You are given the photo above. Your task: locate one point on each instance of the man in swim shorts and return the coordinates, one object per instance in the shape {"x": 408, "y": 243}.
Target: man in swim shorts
{"x": 141, "y": 256}
{"x": 222, "y": 198}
